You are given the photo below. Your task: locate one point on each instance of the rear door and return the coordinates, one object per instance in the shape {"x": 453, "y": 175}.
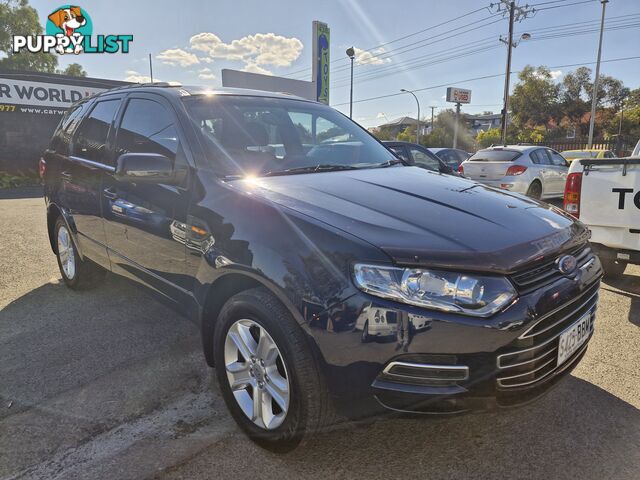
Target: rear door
{"x": 490, "y": 164}
{"x": 146, "y": 223}
{"x": 560, "y": 169}
{"x": 82, "y": 176}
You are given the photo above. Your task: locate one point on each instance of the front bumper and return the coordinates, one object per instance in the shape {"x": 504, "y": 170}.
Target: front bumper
{"x": 511, "y": 357}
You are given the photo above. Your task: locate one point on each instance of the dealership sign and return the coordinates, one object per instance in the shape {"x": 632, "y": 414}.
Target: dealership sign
{"x": 321, "y": 42}
{"x": 458, "y": 95}
{"x": 20, "y": 92}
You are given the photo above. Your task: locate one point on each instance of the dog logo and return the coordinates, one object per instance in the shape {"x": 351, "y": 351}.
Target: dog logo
{"x": 68, "y": 21}
{"x": 69, "y": 29}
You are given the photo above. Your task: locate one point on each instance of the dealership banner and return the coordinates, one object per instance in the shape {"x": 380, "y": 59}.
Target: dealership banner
{"x": 321, "y": 60}
{"x": 41, "y": 94}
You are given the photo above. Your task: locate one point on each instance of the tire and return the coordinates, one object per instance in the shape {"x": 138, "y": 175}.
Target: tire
{"x": 535, "y": 190}
{"x": 306, "y": 405}
{"x": 76, "y": 273}
{"x": 612, "y": 268}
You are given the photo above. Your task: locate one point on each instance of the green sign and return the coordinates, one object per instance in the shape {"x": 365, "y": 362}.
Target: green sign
{"x": 321, "y": 42}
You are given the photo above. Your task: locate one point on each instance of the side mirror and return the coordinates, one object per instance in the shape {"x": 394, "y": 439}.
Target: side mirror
{"x": 147, "y": 168}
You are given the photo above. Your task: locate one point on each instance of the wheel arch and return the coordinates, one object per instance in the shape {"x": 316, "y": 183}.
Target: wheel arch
{"x": 53, "y": 212}
{"x": 221, "y": 290}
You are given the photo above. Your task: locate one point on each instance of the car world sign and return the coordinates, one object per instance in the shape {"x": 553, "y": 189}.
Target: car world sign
{"x": 21, "y": 92}
{"x": 458, "y": 95}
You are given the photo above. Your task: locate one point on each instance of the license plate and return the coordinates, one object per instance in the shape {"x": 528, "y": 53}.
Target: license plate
{"x": 574, "y": 337}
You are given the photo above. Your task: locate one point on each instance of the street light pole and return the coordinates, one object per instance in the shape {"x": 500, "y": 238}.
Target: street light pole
{"x": 418, "y": 120}
{"x": 596, "y": 81}
{"x": 505, "y": 109}
{"x": 351, "y": 53}
{"x": 432, "y": 109}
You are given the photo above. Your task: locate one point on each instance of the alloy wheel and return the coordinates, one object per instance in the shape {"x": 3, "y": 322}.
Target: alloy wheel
{"x": 66, "y": 253}
{"x": 257, "y": 374}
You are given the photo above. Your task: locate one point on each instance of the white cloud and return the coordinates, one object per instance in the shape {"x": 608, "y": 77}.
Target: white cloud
{"x": 555, "y": 74}
{"x": 255, "y": 50}
{"x": 253, "y": 68}
{"x": 206, "y": 74}
{"x": 380, "y": 115}
{"x": 177, "y": 56}
{"x": 136, "y": 77}
{"x": 370, "y": 57}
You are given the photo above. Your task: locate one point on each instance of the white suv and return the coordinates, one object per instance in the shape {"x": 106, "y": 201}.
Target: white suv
{"x": 538, "y": 172}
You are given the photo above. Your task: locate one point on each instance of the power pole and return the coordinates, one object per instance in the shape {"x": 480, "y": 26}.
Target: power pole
{"x": 516, "y": 14}
{"x": 432, "y": 109}
{"x": 596, "y": 81}
{"x": 150, "y": 69}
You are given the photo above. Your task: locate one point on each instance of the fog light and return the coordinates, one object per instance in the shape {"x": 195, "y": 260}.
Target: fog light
{"x": 506, "y": 185}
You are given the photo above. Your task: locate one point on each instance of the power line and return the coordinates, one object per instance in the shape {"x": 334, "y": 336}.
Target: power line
{"x": 485, "y": 77}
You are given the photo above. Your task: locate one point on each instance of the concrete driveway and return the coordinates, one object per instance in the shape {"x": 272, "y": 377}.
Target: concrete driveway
{"x": 110, "y": 384}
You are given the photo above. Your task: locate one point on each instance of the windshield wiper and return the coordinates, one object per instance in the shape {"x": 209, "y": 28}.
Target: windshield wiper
{"x": 390, "y": 163}
{"x": 310, "y": 169}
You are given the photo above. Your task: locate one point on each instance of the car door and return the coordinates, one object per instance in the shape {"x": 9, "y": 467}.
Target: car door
{"x": 145, "y": 223}
{"x": 543, "y": 170}
{"x": 82, "y": 176}
{"x": 422, "y": 159}
{"x": 560, "y": 168}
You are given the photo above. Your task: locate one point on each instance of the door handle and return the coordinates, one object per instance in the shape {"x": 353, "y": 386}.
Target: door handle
{"x": 110, "y": 194}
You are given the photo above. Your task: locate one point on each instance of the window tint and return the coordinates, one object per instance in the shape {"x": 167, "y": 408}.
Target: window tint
{"x": 540, "y": 157}
{"x": 421, "y": 159}
{"x": 92, "y": 135}
{"x": 62, "y": 137}
{"x": 401, "y": 152}
{"x": 557, "y": 159}
{"x": 147, "y": 127}
{"x": 494, "y": 156}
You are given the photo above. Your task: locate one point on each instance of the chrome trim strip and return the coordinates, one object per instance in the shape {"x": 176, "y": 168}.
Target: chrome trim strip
{"x": 91, "y": 163}
{"x": 530, "y": 372}
{"x": 555, "y": 324}
{"x": 535, "y": 359}
{"x": 553, "y": 371}
{"x": 546, "y": 342}
{"x": 463, "y": 369}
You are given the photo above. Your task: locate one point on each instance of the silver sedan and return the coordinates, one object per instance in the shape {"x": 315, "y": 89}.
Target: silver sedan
{"x": 538, "y": 172}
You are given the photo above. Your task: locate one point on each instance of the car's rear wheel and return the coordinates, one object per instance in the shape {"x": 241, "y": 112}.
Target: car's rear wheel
{"x": 612, "y": 268}
{"x": 269, "y": 378}
{"x": 76, "y": 272}
{"x": 535, "y": 190}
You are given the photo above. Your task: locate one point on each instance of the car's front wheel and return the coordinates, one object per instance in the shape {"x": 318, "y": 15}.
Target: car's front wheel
{"x": 269, "y": 378}
{"x": 76, "y": 272}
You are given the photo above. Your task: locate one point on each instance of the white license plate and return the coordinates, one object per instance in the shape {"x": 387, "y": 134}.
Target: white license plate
{"x": 574, "y": 337}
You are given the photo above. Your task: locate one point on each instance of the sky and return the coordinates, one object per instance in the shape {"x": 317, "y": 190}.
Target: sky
{"x": 401, "y": 44}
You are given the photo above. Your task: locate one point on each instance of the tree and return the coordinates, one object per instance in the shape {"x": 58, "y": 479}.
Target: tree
{"x": 574, "y": 103}
{"x": 489, "y": 137}
{"x": 534, "y": 101}
{"x": 74, "y": 70}
{"x": 18, "y": 18}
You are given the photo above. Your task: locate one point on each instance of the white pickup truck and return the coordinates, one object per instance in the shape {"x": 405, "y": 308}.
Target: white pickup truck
{"x": 605, "y": 195}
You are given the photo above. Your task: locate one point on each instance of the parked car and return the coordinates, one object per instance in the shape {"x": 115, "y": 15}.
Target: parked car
{"x": 605, "y": 195}
{"x": 451, "y": 156}
{"x": 538, "y": 172}
{"x": 414, "y": 154}
{"x": 571, "y": 155}
{"x": 280, "y": 227}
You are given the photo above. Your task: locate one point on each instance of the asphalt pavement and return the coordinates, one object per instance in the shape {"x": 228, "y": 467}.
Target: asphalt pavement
{"x": 110, "y": 384}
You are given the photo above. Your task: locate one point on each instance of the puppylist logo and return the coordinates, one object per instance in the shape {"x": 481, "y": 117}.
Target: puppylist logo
{"x": 69, "y": 29}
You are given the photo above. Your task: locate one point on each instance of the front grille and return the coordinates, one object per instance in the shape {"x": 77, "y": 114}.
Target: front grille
{"x": 533, "y": 356}
{"x": 547, "y": 272}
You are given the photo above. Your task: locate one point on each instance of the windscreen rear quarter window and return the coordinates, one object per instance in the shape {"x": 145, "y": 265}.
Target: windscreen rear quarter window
{"x": 495, "y": 156}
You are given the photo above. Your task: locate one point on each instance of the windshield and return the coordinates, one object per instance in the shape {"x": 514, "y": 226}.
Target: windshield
{"x": 270, "y": 136}
{"x": 494, "y": 156}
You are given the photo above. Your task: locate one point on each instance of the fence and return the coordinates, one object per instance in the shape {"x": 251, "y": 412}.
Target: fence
{"x": 621, "y": 147}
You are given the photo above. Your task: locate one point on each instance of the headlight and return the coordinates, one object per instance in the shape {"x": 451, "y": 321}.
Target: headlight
{"x": 475, "y": 295}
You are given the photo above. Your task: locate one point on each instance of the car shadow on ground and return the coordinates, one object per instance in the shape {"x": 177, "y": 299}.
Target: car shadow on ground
{"x": 628, "y": 286}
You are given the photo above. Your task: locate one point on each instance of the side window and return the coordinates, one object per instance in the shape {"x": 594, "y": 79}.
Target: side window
{"x": 540, "y": 157}
{"x": 400, "y": 151}
{"x": 62, "y": 136}
{"x": 329, "y": 132}
{"x": 557, "y": 159}
{"x": 423, "y": 160}
{"x": 147, "y": 127}
{"x": 91, "y": 139}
